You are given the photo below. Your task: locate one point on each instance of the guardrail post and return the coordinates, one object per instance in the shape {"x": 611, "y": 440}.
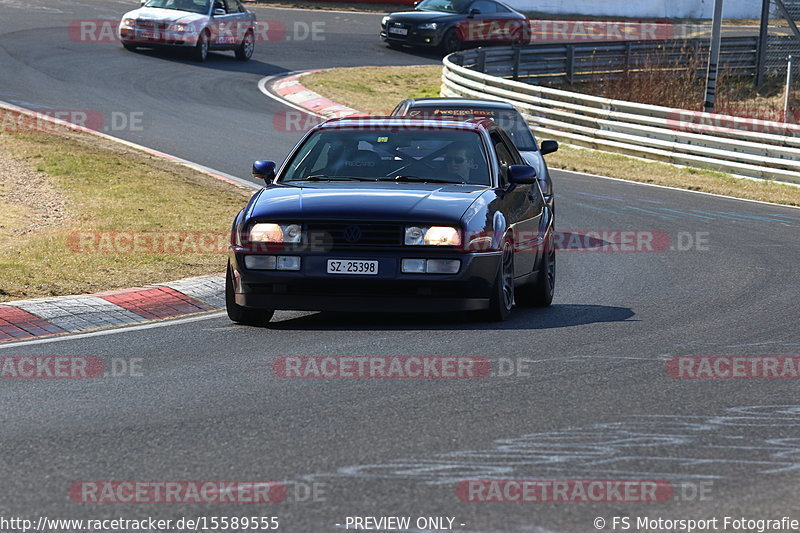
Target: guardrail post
{"x": 570, "y": 63}
{"x": 788, "y": 96}
{"x": 516, "y": 60}
{"x": 481, "y": 60}
{"x": 628, "y": 53}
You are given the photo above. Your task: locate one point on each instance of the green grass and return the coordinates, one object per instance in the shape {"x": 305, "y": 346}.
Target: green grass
{"x": 107, "y": 187}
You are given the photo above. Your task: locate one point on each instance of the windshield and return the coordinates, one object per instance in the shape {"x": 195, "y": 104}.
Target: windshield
{"x": 510, "y": 120}
{"x": 433, "y": 155}
{"x": 193, "y": 6}
{"x": 448, "y": 6}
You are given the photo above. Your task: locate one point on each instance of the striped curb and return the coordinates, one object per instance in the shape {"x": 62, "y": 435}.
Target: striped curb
{"x": 38, "y": 317}
{"x": 291, "y": 90}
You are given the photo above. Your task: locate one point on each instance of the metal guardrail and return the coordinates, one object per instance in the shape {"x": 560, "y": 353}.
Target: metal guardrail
{"x": 736, "y": 145}
{"x": 576, "y": 62}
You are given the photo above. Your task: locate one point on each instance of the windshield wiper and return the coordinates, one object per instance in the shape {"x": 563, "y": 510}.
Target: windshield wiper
{"x": 323, "y": 177}
{"x": 407, "y": 178}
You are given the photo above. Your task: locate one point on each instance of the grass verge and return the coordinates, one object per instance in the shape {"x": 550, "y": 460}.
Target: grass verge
{"x": 375, "y": 90}
{"x": 87, "y": 184}
{"x": 372, "y": 89}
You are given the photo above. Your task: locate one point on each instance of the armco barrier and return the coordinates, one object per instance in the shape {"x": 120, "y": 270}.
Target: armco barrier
{"x": 736, "y": 145}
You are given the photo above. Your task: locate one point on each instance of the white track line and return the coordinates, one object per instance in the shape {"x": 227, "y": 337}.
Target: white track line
{"x": 676, "y": 189}
{"x": 102, "y": 333}
{"x": 262, "y": 86}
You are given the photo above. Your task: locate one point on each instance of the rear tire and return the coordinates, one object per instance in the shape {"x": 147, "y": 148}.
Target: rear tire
{"x": 200, "y": 52}
{"x": 240, "y": 314}
{"x": 130, "y": 47}
{"x": 245, "y": 50}
{"x": 540, "y": 292}
{"x": 502, "y": 299}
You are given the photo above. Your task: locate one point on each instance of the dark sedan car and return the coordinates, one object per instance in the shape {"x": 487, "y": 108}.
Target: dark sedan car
{"x": 503, "y": 114}
{"x": 393, "y": 214}
{"x": 448, "y": 24}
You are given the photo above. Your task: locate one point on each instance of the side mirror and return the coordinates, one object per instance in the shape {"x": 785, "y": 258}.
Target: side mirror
{"x": 219, "y": 12}
{"x": 548, "y": 147}
{"x": 416, "y": 3}
{"x": 264, "y": 170}
{"x": 473, "y": 12}
{"x": 521, "y": 174}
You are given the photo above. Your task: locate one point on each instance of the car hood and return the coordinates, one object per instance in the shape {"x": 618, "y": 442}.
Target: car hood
{"x": 165, "y": 15}
{"x": 407, "y": 202}
{"x": 418, "y": 17}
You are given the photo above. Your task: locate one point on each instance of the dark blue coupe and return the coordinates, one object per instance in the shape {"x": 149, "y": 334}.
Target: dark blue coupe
{"x": 393, "y": 214}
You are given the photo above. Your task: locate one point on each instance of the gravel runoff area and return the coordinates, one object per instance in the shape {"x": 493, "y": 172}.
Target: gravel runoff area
{"x": 33, "y": 192}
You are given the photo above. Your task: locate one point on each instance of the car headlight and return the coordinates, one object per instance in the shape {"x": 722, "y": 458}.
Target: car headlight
{"x": 384, "y": 20}
{"x": 128, "y": 23}
{"x": 432, "y": 236}
{"x": 181, "y": 28}
{"x": 277, "y": 233}
{"x": 428, "y": 26}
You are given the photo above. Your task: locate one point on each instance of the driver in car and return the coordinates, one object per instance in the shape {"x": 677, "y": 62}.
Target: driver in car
{"x": 458, "y": 162}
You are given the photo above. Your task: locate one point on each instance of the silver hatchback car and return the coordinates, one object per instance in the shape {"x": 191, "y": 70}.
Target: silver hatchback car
{"x": 198, "y": 25}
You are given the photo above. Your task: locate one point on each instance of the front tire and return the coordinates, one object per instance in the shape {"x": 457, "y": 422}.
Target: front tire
{"x": 540, "y": 292}
{"x": 240, "y": 314}
{"x": 245, "y": 50}
{"x": 450, "y": 42}
{"x": 130, "y": 47}
{"x": 200, "y": 52}
{"x": 502, "y": 299}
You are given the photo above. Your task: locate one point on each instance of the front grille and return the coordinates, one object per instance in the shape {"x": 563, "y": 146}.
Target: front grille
{"x": 151, "y": 25}
{"x": 354, "y": 235}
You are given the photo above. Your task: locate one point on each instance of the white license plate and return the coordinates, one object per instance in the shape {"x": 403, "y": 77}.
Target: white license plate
{"x": 398, "y": 31}
{"x": 352, "y": 266}
{"x": 146, "y": 34}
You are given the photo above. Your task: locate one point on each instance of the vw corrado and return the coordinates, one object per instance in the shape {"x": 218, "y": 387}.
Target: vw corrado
{"x": 503, "y": 114}
{"x": 393, "y": 214}
{"x": 197, "y": 25}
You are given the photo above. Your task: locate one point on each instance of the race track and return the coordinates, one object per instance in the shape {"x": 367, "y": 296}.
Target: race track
{"x": 593, "y": 402}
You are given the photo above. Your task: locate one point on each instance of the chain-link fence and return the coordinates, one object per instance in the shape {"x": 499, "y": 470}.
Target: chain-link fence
{"x": 784, "y": 35}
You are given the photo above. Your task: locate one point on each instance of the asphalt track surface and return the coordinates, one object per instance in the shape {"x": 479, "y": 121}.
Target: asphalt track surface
{"x": 596, "y": 402}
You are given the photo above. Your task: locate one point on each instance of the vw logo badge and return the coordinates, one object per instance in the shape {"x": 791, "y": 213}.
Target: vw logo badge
{"x": 352, "y": 234}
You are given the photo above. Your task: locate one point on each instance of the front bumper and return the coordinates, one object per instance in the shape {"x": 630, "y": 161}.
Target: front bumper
{"x": 168, "y": 40}
{"x": 313, "y": 289}
{"x": 414, "y": 38}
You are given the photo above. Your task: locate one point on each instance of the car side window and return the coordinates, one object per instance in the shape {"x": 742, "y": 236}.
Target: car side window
{"x": 235, "y": 7}
{"x": 513, "y": 151}
{"x": 502, "y": 9}
{"x": 504, "y": 157}
{"x": 484, "y": 7}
